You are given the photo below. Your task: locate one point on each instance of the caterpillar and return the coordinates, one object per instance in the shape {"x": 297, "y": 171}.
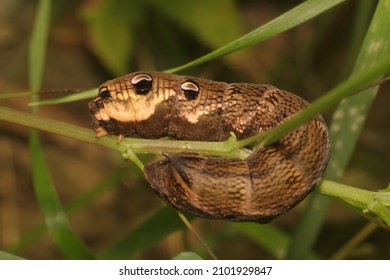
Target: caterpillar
{"x": 269, "y": 182}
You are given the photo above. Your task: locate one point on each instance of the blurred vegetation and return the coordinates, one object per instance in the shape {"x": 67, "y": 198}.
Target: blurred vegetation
{"x": 109, "y": 204}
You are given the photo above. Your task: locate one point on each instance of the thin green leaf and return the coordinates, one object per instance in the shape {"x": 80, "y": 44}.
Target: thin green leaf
{"x": 346, "y": 125}
{"x": 68, "y": 98}
{"x": 301, "y": 13}
{"x": 15, "y": 94}
{"x": 37, "y": 48}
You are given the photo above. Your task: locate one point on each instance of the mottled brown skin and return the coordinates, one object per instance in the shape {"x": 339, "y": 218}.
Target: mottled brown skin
{"x": 269, "y": 182}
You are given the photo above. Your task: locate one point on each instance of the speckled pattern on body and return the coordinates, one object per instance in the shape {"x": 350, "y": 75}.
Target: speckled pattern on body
{"x": 269, "y": 182}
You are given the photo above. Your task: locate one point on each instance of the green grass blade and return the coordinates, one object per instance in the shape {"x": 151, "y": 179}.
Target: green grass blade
{"x": 37, "y": 48}
{"x": 345, "y": 129}
{"x": 301, "y": 13}
{"x": 55, "y": 217}
{"x": 15, "y": 94}
{"x": 146, "y": 235}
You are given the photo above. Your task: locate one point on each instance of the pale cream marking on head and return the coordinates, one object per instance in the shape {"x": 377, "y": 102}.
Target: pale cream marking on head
{"x": 137, "y": 107}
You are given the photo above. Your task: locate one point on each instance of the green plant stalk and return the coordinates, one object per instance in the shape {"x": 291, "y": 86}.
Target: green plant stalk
{"x": 359, "y": 198}
{"x": 374, "y": 206}
{"x": 138, "y": 146}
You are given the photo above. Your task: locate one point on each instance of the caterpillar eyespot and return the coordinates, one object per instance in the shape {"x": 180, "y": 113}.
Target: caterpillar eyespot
{"x": 190, "y": 89}
{"x": 142, "y": 83}
{"x": 268, "y": 183}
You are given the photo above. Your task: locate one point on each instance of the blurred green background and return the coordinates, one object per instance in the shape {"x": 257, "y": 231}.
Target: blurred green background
{"x": 93, "y": 41}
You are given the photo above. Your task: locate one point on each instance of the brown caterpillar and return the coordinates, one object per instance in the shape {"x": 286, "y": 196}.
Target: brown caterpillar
{"x": 269, "y": 182}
